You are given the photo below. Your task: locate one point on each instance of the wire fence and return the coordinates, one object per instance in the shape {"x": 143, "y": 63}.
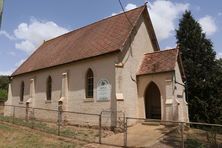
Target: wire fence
{"x": 171, "y": 134}
{"x": 81, "y": 126}
{"x": 113, "y": 128}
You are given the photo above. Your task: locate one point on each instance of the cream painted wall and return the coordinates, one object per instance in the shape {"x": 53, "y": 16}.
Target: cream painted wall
{"x": 180, "y": 96}
{"x": 173, "y": 102}
{"x": 103, "y": 68}
{"x": 160, "y": 80}
{"x": 126, "y": 75}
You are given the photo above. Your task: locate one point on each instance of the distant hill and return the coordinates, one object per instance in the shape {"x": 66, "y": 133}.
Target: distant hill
{"x": 4, "y": 81}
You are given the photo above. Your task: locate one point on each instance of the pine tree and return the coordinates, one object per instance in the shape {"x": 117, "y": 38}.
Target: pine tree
{"x": 201, "y": 70}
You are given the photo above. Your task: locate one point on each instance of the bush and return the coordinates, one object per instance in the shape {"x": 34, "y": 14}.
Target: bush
{"x": 3, "y": 95}
{"x": 192, "y": 143}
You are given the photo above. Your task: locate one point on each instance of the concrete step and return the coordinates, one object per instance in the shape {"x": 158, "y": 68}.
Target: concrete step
{"x": 152, "y": 123}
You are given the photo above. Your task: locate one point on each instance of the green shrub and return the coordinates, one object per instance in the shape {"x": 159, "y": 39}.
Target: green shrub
{"x": 192, "y": 143}
{"x": 3, "y": 95}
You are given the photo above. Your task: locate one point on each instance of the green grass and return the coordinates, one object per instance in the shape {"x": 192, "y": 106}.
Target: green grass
{"x": 192, "y": 143}
{"x": 84, "y": 134}
{"x": 12, "y": 137}
{"x": 80, "y": 133}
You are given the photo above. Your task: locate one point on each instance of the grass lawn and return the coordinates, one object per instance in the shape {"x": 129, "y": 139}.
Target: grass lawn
{"x": 13, "y": 137}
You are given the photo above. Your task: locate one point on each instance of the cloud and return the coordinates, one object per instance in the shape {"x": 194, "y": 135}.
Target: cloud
{"x": 32, "y": 35}
{"x": 169, "y": 47}
{"x": 27, "y": 46}
{"x": 163, "y": 15}
{"x": 8, "y": 72}
{"x": 128, "y": 7}
{"x": 219, "y": 55}
{"x": 208, "y": 25}
{"x": 7, "y": 35}
{"x": 114, "y": 14}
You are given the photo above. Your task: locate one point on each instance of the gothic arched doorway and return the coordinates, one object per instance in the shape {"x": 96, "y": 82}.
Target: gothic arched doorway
{"x": 152, "y": 102}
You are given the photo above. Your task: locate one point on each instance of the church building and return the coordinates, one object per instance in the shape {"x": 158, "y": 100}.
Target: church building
{"x": 114, "y": 64}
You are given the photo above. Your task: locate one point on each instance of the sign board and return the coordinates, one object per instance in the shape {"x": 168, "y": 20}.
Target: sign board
{"x": 103, "y": 90}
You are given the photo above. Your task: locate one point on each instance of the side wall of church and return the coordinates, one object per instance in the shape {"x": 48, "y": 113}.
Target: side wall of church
{"x": 103, "y": 67}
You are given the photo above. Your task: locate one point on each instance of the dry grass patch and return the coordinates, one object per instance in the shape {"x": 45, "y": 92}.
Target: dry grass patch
{"x": 12, "y": 137}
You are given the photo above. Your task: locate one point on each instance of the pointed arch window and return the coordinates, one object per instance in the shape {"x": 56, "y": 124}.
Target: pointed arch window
{"x": 49, "y": 88}
{"x": 22, "y": 90}
{"x": 89, "y": 83}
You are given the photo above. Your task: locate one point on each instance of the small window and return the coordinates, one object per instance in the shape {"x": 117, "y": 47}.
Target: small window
{"x": 89, "y": 84}
{"x": 22, "y": 89}
{"x": 49, "y": 88}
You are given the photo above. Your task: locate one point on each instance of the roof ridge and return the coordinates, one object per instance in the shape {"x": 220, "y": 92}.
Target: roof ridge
{"x": 161, "y": 51}
{"x": 133, "y": 26}
{"x": 28, "y": 66}
{"x": 122, "y": 13}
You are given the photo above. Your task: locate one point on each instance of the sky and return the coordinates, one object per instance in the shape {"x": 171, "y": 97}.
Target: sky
{"x": 27, "y": 23}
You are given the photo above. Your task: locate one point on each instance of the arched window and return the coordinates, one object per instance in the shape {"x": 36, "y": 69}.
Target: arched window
{"x": 89, "y": 84}
{"x": 49, "y": 88}
{"x": 22, "y": 89}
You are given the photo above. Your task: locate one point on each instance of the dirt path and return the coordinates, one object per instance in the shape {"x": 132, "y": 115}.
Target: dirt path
{"x": 138, "y": 136}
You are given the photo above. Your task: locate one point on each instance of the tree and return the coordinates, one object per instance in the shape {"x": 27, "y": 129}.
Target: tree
{"x": 3, "y": 87}
{"x": 201, "y": 70}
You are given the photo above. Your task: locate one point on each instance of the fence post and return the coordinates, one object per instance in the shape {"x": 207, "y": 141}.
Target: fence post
{"x": 125, "y": 132}
{"x": 182, "y": 134}
{"x": 58, "y": 122}
{"x": 100, "y": 128}
{"x": 26, "y": 111}
{"x": 59, "y": 117}
{"x": 13, "y": 116}
{"x": 33, "y": 116}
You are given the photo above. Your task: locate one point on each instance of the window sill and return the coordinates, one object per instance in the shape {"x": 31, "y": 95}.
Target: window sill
{"x": 89, "y": 100}
{"x": 48, "y": 101}
{"x": 102, "y": 100}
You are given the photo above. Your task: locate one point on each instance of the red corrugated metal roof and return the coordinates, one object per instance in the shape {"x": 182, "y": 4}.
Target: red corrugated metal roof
{"x": 105, "y": 36}
{"x": 159, "y": 61}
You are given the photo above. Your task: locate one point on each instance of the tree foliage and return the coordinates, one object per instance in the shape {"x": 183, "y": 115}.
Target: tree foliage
{"x": 3, "y": 87}
{"x": 203, "y": 71}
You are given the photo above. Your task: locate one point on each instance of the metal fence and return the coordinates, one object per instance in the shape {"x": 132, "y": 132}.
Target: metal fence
{"x": 113, "y": 128}
{"x": 159, "y": 133}
{"x": 88, "y": 127}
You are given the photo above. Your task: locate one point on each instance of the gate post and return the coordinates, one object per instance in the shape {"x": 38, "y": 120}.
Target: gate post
{"x": 182, "y": 136}
{"x": 27, "y": 111}
{"x": 13, "y": 116}
{"x": 100, "y": 128}
{"x": 125, "y": 132}
{"x": 33, "y": 117}
{"x": 59, "y": 116}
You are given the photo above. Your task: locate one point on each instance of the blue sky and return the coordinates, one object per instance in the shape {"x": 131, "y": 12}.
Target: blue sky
{"x": 27, "y": 23}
